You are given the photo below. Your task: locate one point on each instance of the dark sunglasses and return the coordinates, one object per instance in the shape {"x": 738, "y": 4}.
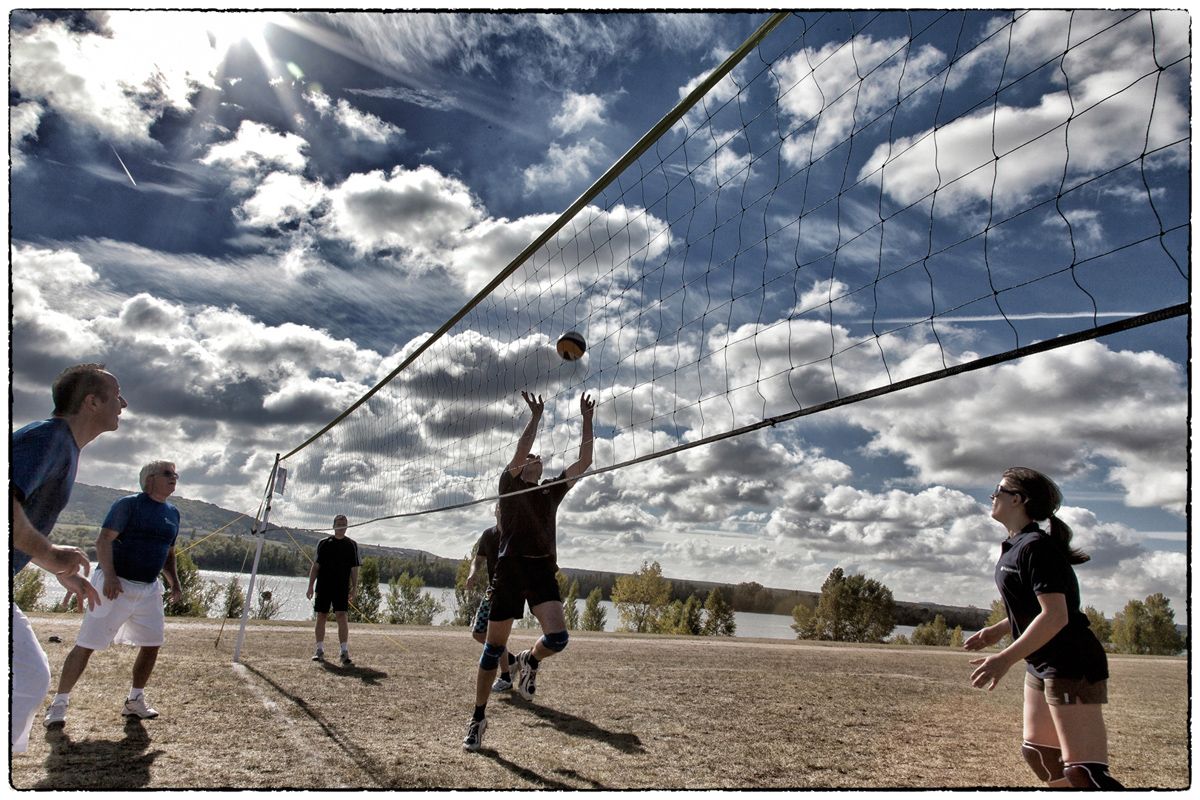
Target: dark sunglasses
{"x": 1001, "y": 490}
{"x": 168, "y": 474}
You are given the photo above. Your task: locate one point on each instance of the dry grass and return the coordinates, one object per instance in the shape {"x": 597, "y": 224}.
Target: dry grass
{"x": 612, "y": 712}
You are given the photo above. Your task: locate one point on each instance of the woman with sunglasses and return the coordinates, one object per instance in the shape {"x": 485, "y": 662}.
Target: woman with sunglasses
{"x": 1065, "y": 742}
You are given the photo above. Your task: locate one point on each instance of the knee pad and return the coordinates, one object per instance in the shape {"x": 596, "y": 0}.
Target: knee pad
{"x": 1045, "y": 761}
{"x": 1090, "y": 775}
{"x": 556, "y": 641}
{"x": 491, "y": 656}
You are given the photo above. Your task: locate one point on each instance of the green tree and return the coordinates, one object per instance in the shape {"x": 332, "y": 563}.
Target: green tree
{"x": 683, "y": 617}
{"x": 198, "y": 595}
{"x": 850, "y": 609}
{"x": 1099, "y": 624}
{"x": 1129, "y": 628}
{"x": 1162, "y": 637}
{"x": 407, "y": 604}
{"x": 570, "y": 609}
{"x": 998, "y": 613}
{"x": 956, "y": 637}
{"x": 27, "y": 589}
{"x": 594, "y": 615}
{"x": 641, "y": 597}
{"x": 234, "y": 600}
{"x": 932, "y": 633}
{"x": 365, "y": 607}
{"x": 718, "y": 615}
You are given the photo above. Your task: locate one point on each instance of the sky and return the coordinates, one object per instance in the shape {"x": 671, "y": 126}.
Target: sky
{"x": 253, "y": 218}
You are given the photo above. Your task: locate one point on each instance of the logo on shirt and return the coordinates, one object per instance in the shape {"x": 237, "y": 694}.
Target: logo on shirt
{"x": 1010, "y": 569}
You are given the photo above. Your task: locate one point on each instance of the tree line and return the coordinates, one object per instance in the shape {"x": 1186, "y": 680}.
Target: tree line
{"x": 855, "y": 608}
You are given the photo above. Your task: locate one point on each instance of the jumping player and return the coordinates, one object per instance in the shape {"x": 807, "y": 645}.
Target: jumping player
{"x": 527, "y": 562}
{"x": 1066, "y": 681}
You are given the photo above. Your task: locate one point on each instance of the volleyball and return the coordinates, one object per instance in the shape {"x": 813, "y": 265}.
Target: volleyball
{"x": 571, "y": 346}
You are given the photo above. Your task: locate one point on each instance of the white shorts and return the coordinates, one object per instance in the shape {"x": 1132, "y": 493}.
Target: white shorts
{"x": 134, "y": 617}
{"x": 30, "y": 679}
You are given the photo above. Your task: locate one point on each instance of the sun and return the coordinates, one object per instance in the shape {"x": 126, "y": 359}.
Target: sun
{"x": 228, "y": 29}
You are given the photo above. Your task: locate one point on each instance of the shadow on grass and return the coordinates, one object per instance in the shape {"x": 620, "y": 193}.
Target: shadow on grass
{"x": 369, "y": 676}
{"x": 525, "y": 772}
{"x": 99, "y": 763}
{"x": 365, "y": 762}
{"x": 578, "y": 726}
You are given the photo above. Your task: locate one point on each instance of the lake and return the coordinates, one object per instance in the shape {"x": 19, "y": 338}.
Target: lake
{"x": 290, "y": 592}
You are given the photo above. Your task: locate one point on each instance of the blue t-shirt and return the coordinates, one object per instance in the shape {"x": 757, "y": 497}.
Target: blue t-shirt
{"x": 43, "y": 457}
{"x": 147, "y": 530}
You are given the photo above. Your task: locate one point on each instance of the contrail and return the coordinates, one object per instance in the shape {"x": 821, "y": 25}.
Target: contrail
{"x": 118, "y": 155}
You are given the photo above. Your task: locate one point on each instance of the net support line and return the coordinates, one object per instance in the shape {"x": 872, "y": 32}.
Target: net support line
{"x": 1129, "y": 323}
{"x": 260, "y": 530}
{"x": 641, "y": 146}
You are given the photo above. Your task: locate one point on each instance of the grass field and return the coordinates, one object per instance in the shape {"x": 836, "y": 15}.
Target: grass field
{"x": 612, "y": 712}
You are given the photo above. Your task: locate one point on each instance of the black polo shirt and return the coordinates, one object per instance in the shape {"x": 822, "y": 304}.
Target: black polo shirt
{"x": 527, "y": 521}
{"x": 1032, "y": 563}
{"x": 335, "y": 559}
{"x": 488, "y": 546}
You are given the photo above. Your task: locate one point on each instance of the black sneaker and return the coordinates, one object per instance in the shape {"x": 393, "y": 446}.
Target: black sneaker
{"x": 474, "y": 738}
{"x": 319, "y": 655}
{"x": 346, "y": 662}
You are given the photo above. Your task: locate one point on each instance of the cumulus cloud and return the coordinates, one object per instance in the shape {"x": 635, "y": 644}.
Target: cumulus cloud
{"x": 566, "y": 166}
{"x": 281, "y": 198}
{"x": 23, "y": 121}
{"x": 578, "y": 112}
{"x": 116, "y": 79}
{"x": 256, "y": 147}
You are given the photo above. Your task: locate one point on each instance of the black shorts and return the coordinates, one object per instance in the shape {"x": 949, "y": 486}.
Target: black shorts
{"x": 338, "y": 600}
{"x": 520, "y": 580}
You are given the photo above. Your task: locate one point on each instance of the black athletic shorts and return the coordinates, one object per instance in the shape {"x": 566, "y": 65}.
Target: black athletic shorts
{"x": 521, "y": 580}
{"x": 338, "y": 600}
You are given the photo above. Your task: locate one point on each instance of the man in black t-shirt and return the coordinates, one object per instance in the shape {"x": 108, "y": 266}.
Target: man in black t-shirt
{"x": 527, "y": 562}
{"x": 335, "y": 573}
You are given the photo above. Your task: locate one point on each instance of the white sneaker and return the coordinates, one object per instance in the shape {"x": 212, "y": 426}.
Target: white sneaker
{"x": 502, "y": 684}
{"x": 138, "y": 708}
{"x": 474, "y": 738}
{"x": 526, "y": 676}
{"x": 56, "y": 714}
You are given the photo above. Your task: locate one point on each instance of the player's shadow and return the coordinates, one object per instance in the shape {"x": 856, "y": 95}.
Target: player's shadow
{"x": 360, "y": 757}
{"x": 578, "y": 726}
{"x": 99, "y": 763}
{"x": 525, "y": 773}
{"x": 367, "y": 675}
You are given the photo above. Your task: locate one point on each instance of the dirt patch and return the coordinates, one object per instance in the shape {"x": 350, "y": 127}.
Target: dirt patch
{"x": 613, "y": 712}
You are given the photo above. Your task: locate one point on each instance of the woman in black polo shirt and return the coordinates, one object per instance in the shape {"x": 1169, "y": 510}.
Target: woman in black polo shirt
{"x": 1065, "y": 741}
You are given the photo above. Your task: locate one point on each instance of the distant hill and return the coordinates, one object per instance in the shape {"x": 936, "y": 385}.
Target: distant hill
{"x": 89, "y": 505}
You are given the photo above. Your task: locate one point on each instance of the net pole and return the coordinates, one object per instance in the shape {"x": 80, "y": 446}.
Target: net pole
{"x": 642, "y": 145}
{"x": 260, "y": 527}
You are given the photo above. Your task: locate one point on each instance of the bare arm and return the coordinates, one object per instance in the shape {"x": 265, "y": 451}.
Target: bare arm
{"x": 104, "y": 556}
{"x": 478, "y": 563}
{"x": 64, "y": 562}
{"x": 312, "y": 578}
{"x": 172, "y": 576}
{"x": 353, "y": 583}
{"x": 525, "y": 443}
{"x": 987, "y": 636}
{"x": 587, "y": 407}
{"x": 1051, "y": 620}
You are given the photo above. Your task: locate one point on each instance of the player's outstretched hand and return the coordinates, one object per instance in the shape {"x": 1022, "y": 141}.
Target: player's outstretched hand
{"x": 63, "y": 560}
{"x": 988, "y": 671}
{"x": 586, "y": 405}
{"x": 76, "y": 585}
{"x": 535, "y": 402}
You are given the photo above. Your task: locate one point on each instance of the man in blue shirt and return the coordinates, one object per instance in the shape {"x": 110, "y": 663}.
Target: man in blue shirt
{"x": 43, "y": 457}
{"x": 136, "y": 543}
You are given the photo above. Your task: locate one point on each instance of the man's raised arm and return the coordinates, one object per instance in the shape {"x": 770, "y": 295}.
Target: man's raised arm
{"x": 525, "y": 443}
{"x": 587, "y": 407}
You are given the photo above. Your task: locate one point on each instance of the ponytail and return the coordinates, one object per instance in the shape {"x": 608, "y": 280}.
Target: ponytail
{"x": 1060, "y": 532}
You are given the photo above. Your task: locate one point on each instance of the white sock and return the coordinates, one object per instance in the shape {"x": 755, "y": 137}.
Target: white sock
{"x": 320, "y": 647}
{"x": 61, "y": 697}
{"x": 134, "y": 694}
{"x": 345, "y": 648}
